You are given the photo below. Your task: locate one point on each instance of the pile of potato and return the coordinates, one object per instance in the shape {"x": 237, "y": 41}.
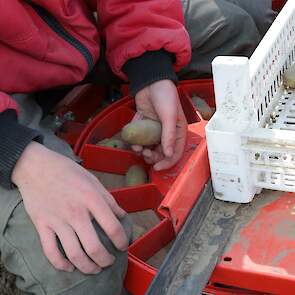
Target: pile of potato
{"x": 143, "y": 132}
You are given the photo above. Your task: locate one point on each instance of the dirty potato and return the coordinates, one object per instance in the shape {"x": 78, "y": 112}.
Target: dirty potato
{"x": 138, "y": 231}
{"x": 136, "y": 175}
{"x": 289, "y": 78}
{"x": 113, "y": 143}
{"x": 142, "y": 132}
{"x": 204, "y": 109}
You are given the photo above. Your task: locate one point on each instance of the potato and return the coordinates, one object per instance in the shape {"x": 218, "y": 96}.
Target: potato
{"x": 142, "y": 132}
{"x": 289, "y": 78}
{"x": 138, "y": 231}
{"x": 203, "y": 108}
{"x": 135, "y": 175}
{"x": 113, "y": 143}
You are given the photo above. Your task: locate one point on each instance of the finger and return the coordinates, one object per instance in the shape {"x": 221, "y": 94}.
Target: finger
{"x": 148, "y": 161}
{"x": 167, "y": 113}
{"x": 147, "y": 153}
{"x": 137, "y": 148}
{"x": 74, "y": 251}
{"x": 166, "y": 163}
{"x": 109, "y": 223}
{"x": 168, "y": 135}
{"x": 91, "y": 243}
{"x": 155, "y": 155}
{"x": 181, "y": 132}
{"x": 137, "y": 116}
{"x": 51, "y": 251}
{"x": 119, "y": 212}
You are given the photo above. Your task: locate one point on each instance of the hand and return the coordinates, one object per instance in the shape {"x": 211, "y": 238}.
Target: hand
{"x": 160, "y": 101}
{"x": 61, "y": 199}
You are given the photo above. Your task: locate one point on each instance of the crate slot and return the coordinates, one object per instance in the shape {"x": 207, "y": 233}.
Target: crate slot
{"x": 111, "y": 124}
{"x": 153, "y": 241}
{"x": 188, "y": 107}
{"x": 138, "y": 198}
{"x": 109, "y": 160}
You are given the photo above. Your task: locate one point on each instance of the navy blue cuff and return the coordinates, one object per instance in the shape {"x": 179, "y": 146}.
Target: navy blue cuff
{"x": 148, "y": 68}
{"x": 14, "y": 138}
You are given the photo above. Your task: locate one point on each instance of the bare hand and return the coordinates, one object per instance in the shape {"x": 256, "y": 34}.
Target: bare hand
{"x": 61, "y": 199}
{"x": 160, "y": 101}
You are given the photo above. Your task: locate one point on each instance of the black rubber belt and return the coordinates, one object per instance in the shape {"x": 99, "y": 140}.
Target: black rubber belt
{"x": 170, "y": 273}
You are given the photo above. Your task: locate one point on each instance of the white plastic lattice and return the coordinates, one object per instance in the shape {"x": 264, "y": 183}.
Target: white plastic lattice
{"x": 251, "y": 137}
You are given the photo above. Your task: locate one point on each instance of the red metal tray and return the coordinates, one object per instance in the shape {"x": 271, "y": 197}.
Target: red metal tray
{"x": 170, "y": 194}
{"x": 261, "y": 252}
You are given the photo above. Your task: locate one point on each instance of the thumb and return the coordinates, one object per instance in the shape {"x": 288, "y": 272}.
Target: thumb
{"x": 165, "y": 98}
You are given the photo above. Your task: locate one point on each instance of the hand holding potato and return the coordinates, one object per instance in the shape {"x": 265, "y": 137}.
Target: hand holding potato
{"x": 160, "y": 101}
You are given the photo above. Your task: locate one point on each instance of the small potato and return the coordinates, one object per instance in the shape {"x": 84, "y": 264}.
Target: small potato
{"x": 135, "y": 175}
{"x": 113, "y": 143}
{"x": 202, "y": 106}
{"x": 138, "y": 231}
{"x": 142, "y": 132}
{"x": 289, "y": 78}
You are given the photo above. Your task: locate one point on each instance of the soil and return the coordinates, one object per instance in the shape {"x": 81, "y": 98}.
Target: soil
{"x": 7, "y": 282}
{"x": 142, "y": 221}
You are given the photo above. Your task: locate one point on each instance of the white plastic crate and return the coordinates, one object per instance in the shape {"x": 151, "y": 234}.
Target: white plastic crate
{"x": 251, "y": 137}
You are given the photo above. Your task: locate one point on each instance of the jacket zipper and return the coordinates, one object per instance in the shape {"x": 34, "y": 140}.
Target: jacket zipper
{"x": 54, "y": 24}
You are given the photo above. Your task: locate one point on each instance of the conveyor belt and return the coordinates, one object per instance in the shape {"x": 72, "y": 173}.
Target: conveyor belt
{"x": 198, "y": 247}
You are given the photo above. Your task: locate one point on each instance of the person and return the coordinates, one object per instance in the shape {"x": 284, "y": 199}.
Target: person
{"x": 61, "y": 231}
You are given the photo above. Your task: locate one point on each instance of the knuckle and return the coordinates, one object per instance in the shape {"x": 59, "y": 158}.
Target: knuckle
{"x": 49, "y": 250}
{"x": 50, "y": 253}
{"x": 76, "y": 257}
{"x": 100, "y": 257}
{"x": 59, "y": 265}
{"x": 115, "y": 231}
{"x": 112, "y": 203}
{"x": 94, "y": 252}
{"x": 88, "y": 268}
{"x": 75, "y": 211}
{"x": 92, "y": 270}
{"x": 56, "y": 261}
{"x": 91, "y": 198}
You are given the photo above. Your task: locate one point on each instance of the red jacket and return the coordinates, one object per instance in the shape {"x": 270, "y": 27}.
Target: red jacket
{"x": 42, "y": 48}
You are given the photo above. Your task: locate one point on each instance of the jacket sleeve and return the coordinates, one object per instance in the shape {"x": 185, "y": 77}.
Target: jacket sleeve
{"x": 14, "y": 138}
{"x": 131, "y": 28}
{"x": 6, "y": 102}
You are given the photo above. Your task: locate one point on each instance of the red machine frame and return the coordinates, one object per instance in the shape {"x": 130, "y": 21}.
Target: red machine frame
{"x": 261, "y": 258}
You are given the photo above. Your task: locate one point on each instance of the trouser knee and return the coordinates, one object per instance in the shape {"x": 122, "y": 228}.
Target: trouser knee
{"x": 217, "y": 27}
{"x": 22, "y": 254}
{"x": 261, "y": 12}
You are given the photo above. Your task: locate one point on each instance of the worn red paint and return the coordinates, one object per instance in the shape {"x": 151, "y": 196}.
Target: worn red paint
{"x": 263, "y": 257}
